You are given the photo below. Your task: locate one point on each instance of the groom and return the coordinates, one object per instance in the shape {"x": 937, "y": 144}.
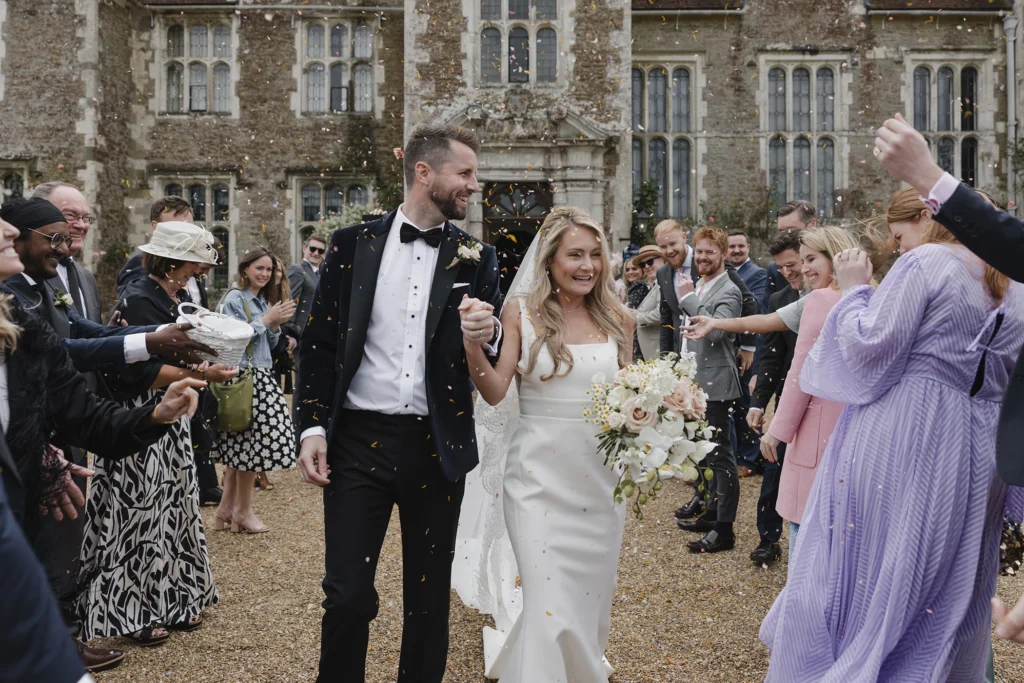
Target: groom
{"x": 386, "y": 407}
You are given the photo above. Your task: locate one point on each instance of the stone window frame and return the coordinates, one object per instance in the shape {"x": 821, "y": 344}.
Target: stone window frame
{"x": 816, "y": 138}
{"x": 962, "y": 145}
{"x": 347, "y": 181}
{"x": 693, "y": 64}
{"x": 11, "y": 172}
{"x": 3, "y": 46}
{"x": 348, "y": 60}
{"x": 505, "y": 26}
{"x": 219, "y": 226}
{"x": 163, "y": 62}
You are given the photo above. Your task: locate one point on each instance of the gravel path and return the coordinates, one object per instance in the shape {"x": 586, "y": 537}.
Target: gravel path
{"x": 677, "y": 618}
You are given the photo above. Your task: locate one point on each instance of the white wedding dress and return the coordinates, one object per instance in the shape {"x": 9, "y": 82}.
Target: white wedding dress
{"x": 563, "y": 526}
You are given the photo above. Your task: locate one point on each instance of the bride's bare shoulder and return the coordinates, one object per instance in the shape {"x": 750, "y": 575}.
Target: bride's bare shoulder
{"x": 510, "y": 314}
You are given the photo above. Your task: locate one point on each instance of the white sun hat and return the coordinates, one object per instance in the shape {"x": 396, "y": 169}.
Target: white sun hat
{"x": 182, "y": 242}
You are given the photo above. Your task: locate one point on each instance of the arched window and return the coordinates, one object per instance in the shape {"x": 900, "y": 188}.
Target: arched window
{"x": 801, "y": 99}
{"x": 221, "y": 88}
{"x": 14, "y": 186}
{"x": 826, "y": 177}
{"x": 357, "y": 195}
{"x": 490, "y": 55}
{"x": 221, "y": 202}
{"x": 176, "y": 41}
{"x": 922, "y": 97}
{"x": 944, "y": 97}
{"x": 519, "y": 9}
{"x": 638, "y": 100}
{"x": 175, "y": 87}
{"x": 824, "y": 92}
{"x": 220, "y": 271}
{"x": 777, "y": 172}
{"x": 197, "y": 87}
{"x": 315, "y": 41}
{"x": 638, "y": 165}
{"x": 657, "y": 171}
{"x": 546, "y": 9}
{"x": 363, "y": 42}
{"x": 802, "y": 169}
{"x": 339, "y": 40}
{"x": 490, "y": 10}
{"x": 339, "y": 87}
{"x": 197, "y": 36}
{"x": 334, "y": 199}
{"x": 657, "y": 83}
{"x": 315, "y": 87}
{"x": 777, "y": 100}
{"x": 681, "y": 177}
{"x": 681, "y": 101}
{"x": 172, "y": 190}
{"x": 547, "y": 56}
{"x": 197, "y": 198}
{"x": 947, "y": 151}
{"x": 968, "y": 98}
{"x": 364, "y": 88}
{"x": 221, "y": 41}
{"x": 310, "y": 202}
{"x": 518, "y": 56}
{"x": 969, "y": 161}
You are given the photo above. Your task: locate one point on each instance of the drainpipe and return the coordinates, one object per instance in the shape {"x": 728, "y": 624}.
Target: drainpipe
{"x": 1010, "y": 31}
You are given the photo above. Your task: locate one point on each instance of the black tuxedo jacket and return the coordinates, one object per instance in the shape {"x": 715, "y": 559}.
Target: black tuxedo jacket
{"x": 778, "y": 354}
{"x": 332, "y": 343}
{"x": 998, "y": 238}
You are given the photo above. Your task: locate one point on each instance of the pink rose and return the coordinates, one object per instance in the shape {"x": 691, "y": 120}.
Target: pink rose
{"x": 700, "y": 404}
{"x": 681, "y": 398}
{"x": 636, "y": 417}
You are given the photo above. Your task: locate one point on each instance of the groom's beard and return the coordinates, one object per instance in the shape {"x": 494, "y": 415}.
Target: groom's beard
{"x": 448, "y": 206}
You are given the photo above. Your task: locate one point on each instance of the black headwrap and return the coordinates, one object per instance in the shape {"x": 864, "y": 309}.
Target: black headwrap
{"x": 30, "y": 214}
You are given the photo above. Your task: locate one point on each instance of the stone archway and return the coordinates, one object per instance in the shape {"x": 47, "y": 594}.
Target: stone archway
{"x": 512, "y": 214}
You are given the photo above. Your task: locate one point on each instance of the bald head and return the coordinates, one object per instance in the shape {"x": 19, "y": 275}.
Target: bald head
{"x": 75, "y": 207}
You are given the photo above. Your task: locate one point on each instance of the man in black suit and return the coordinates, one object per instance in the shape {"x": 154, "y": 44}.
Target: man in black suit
{"x": 303, "y": 278}
{"x": 773, "y": 367}
{"x": 796, "y": 215}
{"x": 998, "y": 238}
{"x": 386, "y": 402}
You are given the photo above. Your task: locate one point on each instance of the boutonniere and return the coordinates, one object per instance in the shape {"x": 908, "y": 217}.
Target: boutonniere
{"x": 63, "y": 299}
{"x": 467, "y": 253}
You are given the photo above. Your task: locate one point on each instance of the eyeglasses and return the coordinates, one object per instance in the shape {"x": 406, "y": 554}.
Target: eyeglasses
{"x": 75, "y": 218}
{"x": 56, "y": 239}
{"x": 648, "y": 262}
{"x": 317, "y": 250}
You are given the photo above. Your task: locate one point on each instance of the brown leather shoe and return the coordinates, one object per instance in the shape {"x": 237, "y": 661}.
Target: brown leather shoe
{"x": 98, "y": 660}
{"x": 744, "y": 471}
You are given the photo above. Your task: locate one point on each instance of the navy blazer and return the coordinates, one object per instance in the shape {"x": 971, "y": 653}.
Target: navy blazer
{"x": 91, "y": 346}
{"x": 331, "y": 348}
{"x": 998, "y": 238}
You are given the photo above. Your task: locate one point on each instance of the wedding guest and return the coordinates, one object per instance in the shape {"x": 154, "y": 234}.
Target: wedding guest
{"x": 303, "y": 278}
{"x": 269, "y": 442}
{"x": 795, "y": 215}
{"x": 771, "y": 378}
{"x": 638, "y": 288}
{"x": 899, "y": 544}
{"x": 648, "y": 311}
{"x": 145, "y": 554}
{"x": 619, "y": 282}
{"x": 803, "y": 421}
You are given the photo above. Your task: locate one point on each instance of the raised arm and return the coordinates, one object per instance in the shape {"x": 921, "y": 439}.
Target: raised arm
{"x": 702, "y": 325}
{"x": 493, "y": 381}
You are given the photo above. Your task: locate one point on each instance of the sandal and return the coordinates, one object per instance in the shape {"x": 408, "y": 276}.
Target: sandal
{"x": 220, "y": 523}
{"x": 262, "y": 482}
{"x": 145, "y": 637}
{"x": 191, "y": 624}
{"x": 240, "y": 528}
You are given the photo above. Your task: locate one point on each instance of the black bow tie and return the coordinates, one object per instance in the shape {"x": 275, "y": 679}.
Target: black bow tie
{"x": 410, "y": 233}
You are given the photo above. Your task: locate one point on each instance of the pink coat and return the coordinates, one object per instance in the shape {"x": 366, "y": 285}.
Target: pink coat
{"x": 803, "y": 421}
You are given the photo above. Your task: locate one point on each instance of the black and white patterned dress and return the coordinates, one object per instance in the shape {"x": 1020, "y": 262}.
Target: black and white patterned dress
{"x": 144, "y": 556}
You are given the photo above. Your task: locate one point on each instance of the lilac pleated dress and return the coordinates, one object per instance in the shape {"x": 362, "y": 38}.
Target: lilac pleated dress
{"x": 898, "y": 550}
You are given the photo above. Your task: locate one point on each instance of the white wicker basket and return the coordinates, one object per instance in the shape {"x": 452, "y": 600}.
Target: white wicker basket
{"x": 226, "y": 335}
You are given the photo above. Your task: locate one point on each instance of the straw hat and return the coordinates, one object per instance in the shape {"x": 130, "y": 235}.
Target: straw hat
{"x": 182, "y": 242}
{"x": 645, "y": 251}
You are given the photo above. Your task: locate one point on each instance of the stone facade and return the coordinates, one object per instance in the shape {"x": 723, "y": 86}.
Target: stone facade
{"x": 558, "y": 127}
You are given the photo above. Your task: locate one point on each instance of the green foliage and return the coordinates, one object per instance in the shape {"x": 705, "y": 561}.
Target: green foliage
{"x": 646, "y": 199}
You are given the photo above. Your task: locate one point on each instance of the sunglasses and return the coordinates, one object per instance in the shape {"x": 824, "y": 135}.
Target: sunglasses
{"x": 317, "y": 250}
{"x": 56, "y": 239}
{"x": 648, "y": 262}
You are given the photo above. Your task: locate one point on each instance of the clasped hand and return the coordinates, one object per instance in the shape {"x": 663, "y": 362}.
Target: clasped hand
{"x": 853, "y": 268}
{"x": 477, "y": 320}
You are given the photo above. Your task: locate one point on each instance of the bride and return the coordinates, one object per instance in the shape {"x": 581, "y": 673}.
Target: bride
{"x": 563, "y": 324}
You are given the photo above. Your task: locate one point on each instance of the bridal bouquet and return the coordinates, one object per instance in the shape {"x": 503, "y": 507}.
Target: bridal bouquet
{"x": 651, "y": 422}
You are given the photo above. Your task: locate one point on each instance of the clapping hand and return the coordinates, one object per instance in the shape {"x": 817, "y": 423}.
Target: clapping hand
{"x": 853, "y": 268}
{"x": 477, "y": 320}
{"x": 179, "y": 399}
{"x": 700, "y": 326}
{"x": 281, "y": 312}
{"x": 62, "y": 499}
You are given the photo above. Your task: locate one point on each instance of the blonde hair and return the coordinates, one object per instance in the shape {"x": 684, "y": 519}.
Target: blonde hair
{"x": 829, "y": 241}
{"x": 668, "y": 225}
{"x": 545, "y": 312}
{"x": 9, "y": 330}
{"x": 906, "y": 205}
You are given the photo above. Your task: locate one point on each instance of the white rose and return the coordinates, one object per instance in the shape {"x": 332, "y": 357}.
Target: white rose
{"x": 672, "y": 425}
{"x": 616, "y": 420}
{"x": 618, "y": 396}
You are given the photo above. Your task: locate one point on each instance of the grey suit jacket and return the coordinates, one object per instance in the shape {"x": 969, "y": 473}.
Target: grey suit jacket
{"x": 717, "y": 373}
{"x": 648, "y": 324}
{"x": 302, "y": 283}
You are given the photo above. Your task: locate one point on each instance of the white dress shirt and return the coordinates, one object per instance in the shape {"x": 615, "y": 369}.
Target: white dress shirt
{"x": 135, "y": 350}
{"x": 192, "y": 287}
{"x": 62, "y": 271}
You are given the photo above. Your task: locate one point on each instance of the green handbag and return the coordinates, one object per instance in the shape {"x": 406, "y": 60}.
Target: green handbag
{"x": 234, "y": 401}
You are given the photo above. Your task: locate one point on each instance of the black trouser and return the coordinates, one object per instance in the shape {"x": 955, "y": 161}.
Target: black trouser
{"x": 725, "y": 486}
{"x": 769, "y": 522}
{"x": 378, "y": 461}
{"x": 744, "y": 441}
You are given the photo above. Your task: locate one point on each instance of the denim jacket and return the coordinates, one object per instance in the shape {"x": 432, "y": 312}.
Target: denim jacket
{"x": 265, "y": 339}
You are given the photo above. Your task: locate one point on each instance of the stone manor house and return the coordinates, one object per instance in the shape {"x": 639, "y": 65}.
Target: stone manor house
{"x": 270, "y": 114}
